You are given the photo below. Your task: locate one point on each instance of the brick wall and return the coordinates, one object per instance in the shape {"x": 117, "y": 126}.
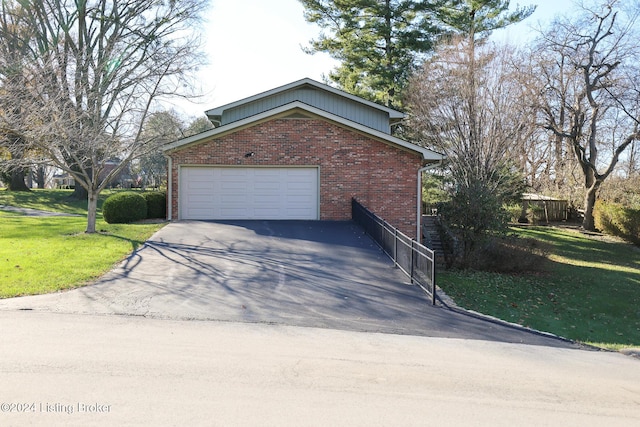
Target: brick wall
{"x": 383, "y": 178}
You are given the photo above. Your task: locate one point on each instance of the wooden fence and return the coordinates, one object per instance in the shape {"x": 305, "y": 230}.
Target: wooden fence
{"x": 546, "y": 210}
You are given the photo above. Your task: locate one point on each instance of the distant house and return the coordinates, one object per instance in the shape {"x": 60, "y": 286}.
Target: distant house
{"x": 63, "y": 180}
{"x": 123, "y": 180}
{"x": 299, "y": 151}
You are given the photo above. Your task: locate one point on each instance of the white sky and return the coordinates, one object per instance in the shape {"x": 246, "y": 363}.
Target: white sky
{"x": 256, "y": 45}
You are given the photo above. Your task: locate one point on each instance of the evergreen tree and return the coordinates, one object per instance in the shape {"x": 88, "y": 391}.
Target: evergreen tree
{"x": 477, "y": 19}
{"x": 378, "y": 42}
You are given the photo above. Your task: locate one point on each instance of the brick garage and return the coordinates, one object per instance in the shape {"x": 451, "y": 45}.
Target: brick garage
{"x": 352, "y": 160}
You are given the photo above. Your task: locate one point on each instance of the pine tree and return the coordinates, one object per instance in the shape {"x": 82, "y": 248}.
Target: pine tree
{"x": 379, "y": 43}
{"x": 479, "y": 18}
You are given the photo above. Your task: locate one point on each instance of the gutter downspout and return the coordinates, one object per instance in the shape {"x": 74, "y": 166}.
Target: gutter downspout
{"x": 169, "y": 188}
{"x": 419, "y": 207}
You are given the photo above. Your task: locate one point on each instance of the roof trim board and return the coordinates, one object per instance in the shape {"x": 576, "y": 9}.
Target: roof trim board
{"x": 394, "y": 115}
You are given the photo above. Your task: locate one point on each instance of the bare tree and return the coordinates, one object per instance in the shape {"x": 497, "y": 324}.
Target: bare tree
{"x": 161, "y": 128}
{"x": 585, "y": 85}
{"x": 477, "y": 122}
{"x": 93, "y": 71}
{"x": 13, "y": 148}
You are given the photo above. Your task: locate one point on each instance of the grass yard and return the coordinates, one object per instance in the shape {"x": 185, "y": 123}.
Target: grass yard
{"x": 46, "y": 254}
{"x": 590, "y": 291}
{"x": 48, "y": 200}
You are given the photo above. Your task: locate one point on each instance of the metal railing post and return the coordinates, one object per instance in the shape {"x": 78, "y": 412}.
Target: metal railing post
{"x": 412, "y": 262}
{"x": 433, "y": 279}
{"x": 395, "y": 247}
{"x": 377, "y": 228}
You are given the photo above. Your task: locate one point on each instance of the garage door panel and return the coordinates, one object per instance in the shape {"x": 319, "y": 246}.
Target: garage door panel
{"x": 199, "y": 213}
{"x": 266, "y": 213}
{"x": 248, "y": 193}
{"x": 267, "y": 185}
{"x": 232, "y": 172}
{"x": 300, "y": 178}
{"x": 201, "y": 173}
{"x": 265, "y": 173}
{"x": 239, "y": 200}
{"x": 204, "y": 199}
{"x": 298, "y": 200}
{"x": 299, "y": 186}
{"x": 200, "y": 185}
{"x": 233, "y": 185}
{"x": 265, "y": 200}
{"x": 231, "y": 212}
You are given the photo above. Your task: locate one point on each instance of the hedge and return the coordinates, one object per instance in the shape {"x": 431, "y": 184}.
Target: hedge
{"x": 617, "y": 220}
{"x": 156, "y": 204}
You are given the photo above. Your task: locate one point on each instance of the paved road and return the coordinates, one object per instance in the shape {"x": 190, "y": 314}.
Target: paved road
{"x": 96, "y": 370}
{"x": 300, "y": 273}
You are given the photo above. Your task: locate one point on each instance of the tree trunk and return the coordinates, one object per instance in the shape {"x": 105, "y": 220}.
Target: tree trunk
{"x": 16, "y": 183}
{"x": 40, "y": 177}
{"x": 588, "y": 223}
{"x": 79, "y": 193}
{"x": 92, "y": 209}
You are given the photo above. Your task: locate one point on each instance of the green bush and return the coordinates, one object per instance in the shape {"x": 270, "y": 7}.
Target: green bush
{"x": 474, "y": 212}
{"x": 514, "y": 211}
{"x": 156, "y": 204}
{"x": 124, "y": 207}
{"x": 535, "y": 214}
{"x": 617, "y": 220}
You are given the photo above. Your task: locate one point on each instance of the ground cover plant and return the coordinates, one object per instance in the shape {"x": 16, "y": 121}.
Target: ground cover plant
{"x": 47, "y": 254}
{"x": 588, "y": 291}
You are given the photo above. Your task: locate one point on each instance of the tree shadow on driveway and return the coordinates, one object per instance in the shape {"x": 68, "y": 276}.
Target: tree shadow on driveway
{"x": 299, "y": 273}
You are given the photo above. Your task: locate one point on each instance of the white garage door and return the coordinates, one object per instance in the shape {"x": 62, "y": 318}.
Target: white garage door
{"x": 248, "y": 193}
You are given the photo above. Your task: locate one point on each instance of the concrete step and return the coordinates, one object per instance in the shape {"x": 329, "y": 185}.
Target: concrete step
{"x": 431, "y": 239}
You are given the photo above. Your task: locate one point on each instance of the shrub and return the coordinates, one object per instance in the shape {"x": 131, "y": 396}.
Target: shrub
{"x": 124, "y": 207}
{"x": 622, "y": 190}
{"x": 514, "y": 211}
{"x": 156, "y": 204}
{"x": 617, "y": 220}
{"x": 535, "y": 214}
{"x": 473, "y": 213}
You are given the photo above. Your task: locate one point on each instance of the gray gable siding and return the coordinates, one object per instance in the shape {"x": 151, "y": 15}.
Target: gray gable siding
{"x": 346, "y": 108}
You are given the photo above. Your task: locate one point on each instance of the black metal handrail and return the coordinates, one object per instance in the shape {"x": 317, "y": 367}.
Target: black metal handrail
{"x": 414, "y": 259}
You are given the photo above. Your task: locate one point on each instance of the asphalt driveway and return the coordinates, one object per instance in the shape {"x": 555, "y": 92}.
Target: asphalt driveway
{"x": 300, "y": 273}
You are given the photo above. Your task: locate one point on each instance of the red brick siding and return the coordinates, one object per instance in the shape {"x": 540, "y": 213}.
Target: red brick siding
{"x": 381, "y": 177}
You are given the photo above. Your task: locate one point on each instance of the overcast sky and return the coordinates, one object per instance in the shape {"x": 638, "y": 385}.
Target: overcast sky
{"x": 256, "y": 45}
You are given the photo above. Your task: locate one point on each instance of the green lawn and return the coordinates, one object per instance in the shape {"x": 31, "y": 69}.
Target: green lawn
{"x": 47, "y": 200}
{"x": 590, "y": 291}
{"x": 46, "y": 254}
